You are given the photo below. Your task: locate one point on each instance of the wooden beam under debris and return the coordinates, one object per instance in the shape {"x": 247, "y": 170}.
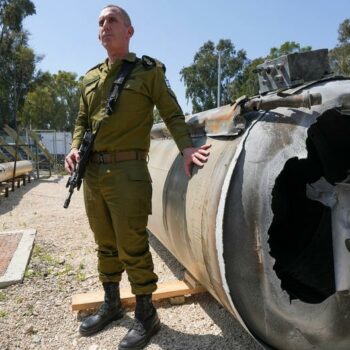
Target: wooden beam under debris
{"x": 165, "y": 290}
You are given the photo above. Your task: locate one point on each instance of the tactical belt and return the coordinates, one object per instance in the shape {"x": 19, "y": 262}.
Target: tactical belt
{"x": 113, "y": 157}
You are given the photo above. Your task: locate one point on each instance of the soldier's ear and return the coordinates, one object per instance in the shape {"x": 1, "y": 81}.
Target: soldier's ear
{"x": 131, "y": 31}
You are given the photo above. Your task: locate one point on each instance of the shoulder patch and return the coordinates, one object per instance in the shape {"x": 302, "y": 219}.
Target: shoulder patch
{"x": 150, "y": 62}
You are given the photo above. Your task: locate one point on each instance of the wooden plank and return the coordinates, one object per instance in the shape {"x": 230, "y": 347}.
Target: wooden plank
{"x": 11, "y": 132}
{"x": 41, "y": 145}
{"x": 191, "y": 280}
{"x": 165, "y": 290}
{"x": 9, "y": 149}
{"x": 4, "y": 157}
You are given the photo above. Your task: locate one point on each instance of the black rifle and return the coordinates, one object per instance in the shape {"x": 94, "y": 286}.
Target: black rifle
{"x": 77, "y": 176}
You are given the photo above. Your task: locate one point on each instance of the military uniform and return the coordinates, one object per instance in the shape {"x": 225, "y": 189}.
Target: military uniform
{"x": 118, "y": 192}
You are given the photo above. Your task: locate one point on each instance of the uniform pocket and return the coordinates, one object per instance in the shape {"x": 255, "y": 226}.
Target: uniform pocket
{"x": 134, "y": 85}
{"x": 138, "y": 201}
{"x": 139, "y": 174}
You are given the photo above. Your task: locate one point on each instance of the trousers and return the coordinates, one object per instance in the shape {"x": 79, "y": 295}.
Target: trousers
{"x": 118, "y": 201}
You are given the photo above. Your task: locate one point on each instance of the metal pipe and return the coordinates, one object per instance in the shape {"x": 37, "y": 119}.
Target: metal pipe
{"x": 227, "y": 121}
{"x": 7, "y": 169}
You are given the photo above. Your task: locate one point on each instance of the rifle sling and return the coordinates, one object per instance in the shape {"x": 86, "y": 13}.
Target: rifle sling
{"x": 118, "y": 84}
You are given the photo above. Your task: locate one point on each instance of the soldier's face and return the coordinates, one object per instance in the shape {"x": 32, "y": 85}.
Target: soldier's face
{"x": 113, "y": 32}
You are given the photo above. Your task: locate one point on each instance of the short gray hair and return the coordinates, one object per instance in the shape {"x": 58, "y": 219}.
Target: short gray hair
{"x": 124, "y": 14}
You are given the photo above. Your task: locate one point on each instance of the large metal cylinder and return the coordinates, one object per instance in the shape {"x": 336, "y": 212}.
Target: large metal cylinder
{"x": 245, "y": 228}
{"x": 22, "y": 167}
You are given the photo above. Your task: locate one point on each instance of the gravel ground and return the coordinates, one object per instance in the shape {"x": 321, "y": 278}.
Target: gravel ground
{"x": 37, "y": 315}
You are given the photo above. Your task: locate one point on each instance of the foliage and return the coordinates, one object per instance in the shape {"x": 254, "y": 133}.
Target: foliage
{"x": 53, "y": 102}
{"x": 17, "y": 60}
{"x": 340, "y": 56}
{"x": 201, "y": 77}
{"x": 287, "y": 48}
{"x": 247, "y": 82}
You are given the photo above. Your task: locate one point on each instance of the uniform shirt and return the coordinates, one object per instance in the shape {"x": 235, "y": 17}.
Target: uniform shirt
{"x": 129, "y": 126}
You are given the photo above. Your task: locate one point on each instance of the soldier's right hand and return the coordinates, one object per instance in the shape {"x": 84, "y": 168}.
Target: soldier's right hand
{"x": 71, "y": 160}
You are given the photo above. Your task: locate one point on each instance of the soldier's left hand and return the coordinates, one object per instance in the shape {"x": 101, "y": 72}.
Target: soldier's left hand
{"x": 195, "y": 155}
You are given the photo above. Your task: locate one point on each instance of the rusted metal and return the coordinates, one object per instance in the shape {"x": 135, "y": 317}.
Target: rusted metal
{"x": 228, "y": 120}
{"x": 231, "y": 226}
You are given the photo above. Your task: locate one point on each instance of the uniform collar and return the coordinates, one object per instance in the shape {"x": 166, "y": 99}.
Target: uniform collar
{"x": 131, "y": 57}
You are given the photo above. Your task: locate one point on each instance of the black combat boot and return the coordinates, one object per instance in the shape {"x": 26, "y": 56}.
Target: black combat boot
{"x": 146, "y": 324}
{"x": 109, "y": 311}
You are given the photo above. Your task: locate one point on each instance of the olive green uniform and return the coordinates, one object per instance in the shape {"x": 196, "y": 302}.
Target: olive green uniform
{"x": 118, "y": 195}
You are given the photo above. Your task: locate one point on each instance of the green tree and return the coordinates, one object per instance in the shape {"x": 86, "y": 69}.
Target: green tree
{"x": 201, "y": 77}
{"x": 53, "y": 102}
{"x": 339, "y": 57}
{"x": 17, "y": 60}
{"x": 287, "y": 48}
{"x": 66, "y": 92}
{"x": 247, "y": 82}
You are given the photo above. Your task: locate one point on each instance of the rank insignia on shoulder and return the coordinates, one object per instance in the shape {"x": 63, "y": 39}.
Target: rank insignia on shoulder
{"x": 148, "y": 62}
{"x": 167, "y": 82}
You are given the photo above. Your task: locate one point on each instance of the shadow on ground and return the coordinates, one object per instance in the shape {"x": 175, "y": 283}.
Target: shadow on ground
{"x": 232, "y": 335}
{"x": 13, "y": 199}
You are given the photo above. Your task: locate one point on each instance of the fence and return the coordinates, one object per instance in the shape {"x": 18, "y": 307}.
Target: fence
{"x": 47, "y": 148}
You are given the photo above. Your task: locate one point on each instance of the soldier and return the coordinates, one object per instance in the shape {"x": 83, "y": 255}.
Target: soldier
{"x": 117, "y": 186}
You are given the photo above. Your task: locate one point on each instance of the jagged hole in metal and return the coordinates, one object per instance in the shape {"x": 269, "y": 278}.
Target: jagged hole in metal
{"x": 300, "y": 235}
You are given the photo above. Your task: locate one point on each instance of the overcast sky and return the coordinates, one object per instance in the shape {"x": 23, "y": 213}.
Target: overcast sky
{"x": 65, "y": 31}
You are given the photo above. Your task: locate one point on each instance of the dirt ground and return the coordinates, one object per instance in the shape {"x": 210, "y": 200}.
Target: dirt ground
{"x": 37, "y": 313}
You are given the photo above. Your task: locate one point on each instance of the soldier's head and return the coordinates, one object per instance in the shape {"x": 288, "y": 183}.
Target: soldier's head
{"x": 115, "y": 29}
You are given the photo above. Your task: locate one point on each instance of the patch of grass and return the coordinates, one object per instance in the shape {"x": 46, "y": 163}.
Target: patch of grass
{"x": 3, "y": 296}
{"x": 40, "y": 253}
{"x": 28, "y": 273}
{"x": 38, "y": 249}
{"x": 2, "y": 313}
{"x": 67, "y": 268}
{"x": 49, "y": 259}
{"x": 81, "y": 274}
{"x": 29, "y": 310}
{"x": 46, "y": 265}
